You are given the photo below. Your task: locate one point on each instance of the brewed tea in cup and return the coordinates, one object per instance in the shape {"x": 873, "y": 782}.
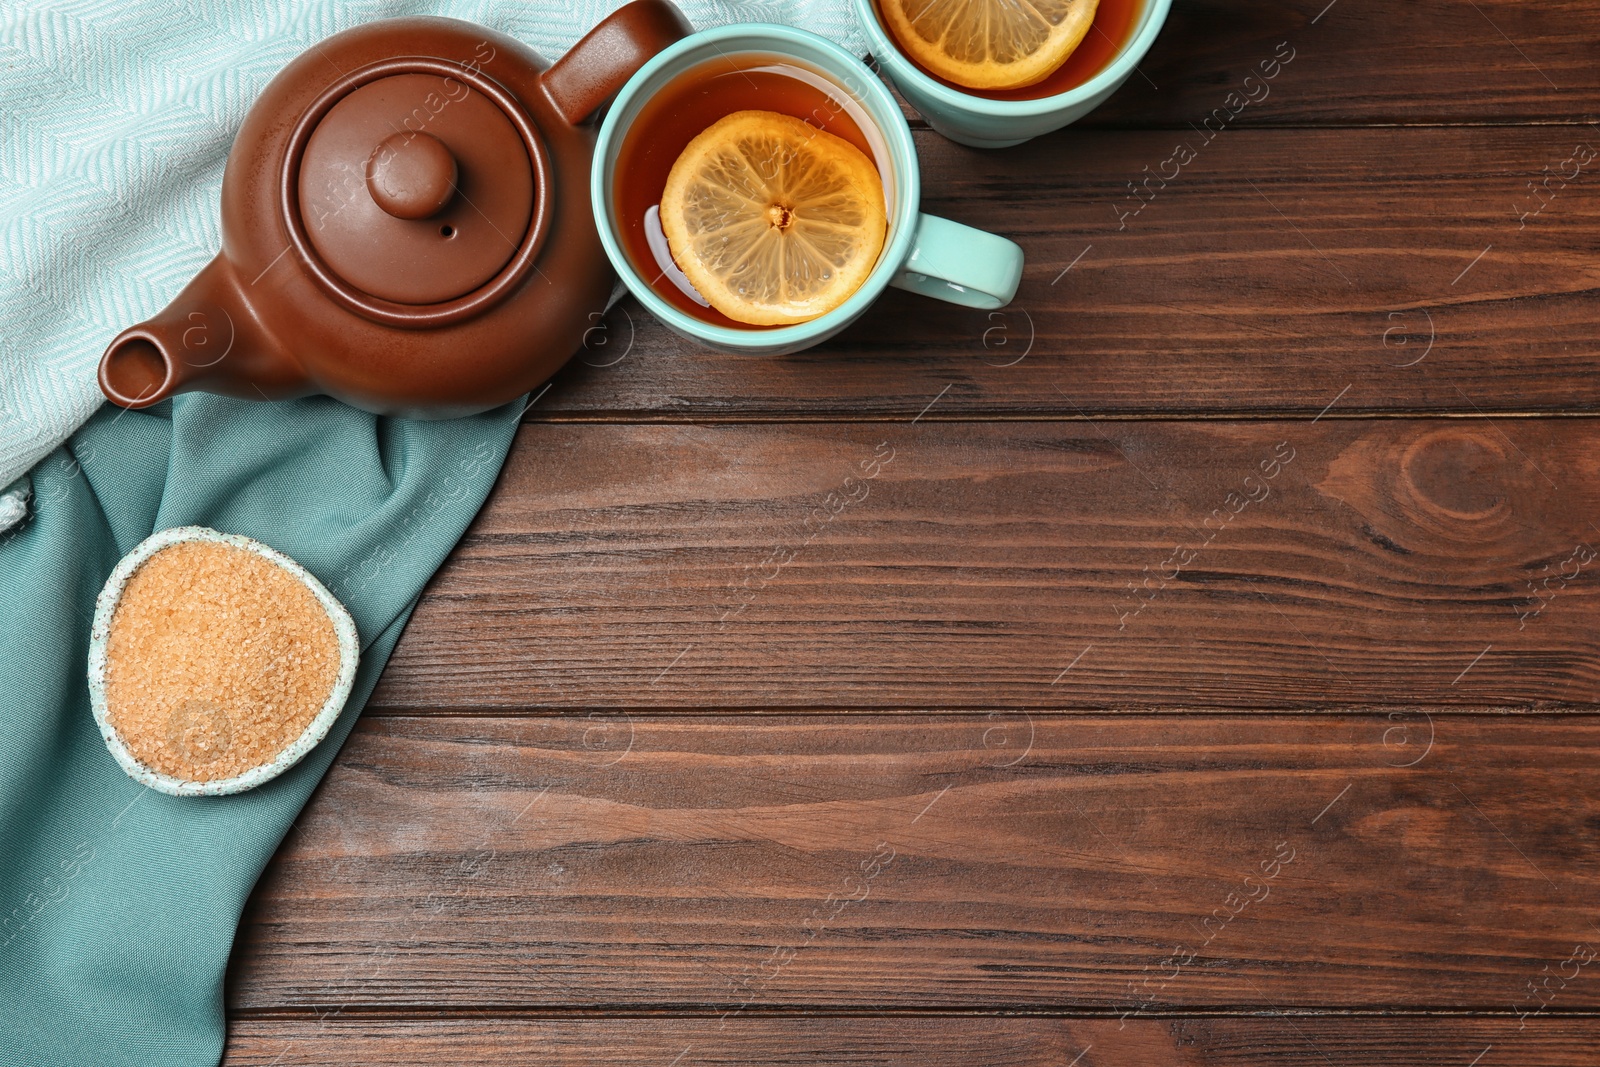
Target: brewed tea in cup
{"x": 785, "y": 172}
{"x": 1107, "y": 35}
{"x": 982, "y": 88}
{"x": 766, "y": 90}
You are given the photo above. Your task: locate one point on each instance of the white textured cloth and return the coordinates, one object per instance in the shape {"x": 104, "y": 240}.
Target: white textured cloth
{"x": 14, "y": 503}
{"x": 115, "y": 121}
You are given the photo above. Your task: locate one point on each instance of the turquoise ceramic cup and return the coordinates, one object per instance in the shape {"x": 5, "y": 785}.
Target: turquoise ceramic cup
{"x": 985, "y": 123}
{"x": 921, "y": 253}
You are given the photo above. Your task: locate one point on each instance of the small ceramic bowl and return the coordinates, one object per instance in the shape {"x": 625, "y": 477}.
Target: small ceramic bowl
{"x": 105, "y": 608}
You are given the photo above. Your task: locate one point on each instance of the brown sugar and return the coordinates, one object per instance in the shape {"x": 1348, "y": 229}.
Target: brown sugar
{"x": 216, "y": 661}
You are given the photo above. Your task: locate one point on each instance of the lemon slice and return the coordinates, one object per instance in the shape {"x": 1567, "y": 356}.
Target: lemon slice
{"x": 990, "y": 44}
{"x": 773, "y": 220}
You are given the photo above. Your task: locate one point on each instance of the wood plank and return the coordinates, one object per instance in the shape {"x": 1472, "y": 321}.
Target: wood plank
{"x": 914, "y": 1042}
{"x": 1276, "y": 269}
{"x": 1021, "y": 564}
{"x": 1128, "y": 864}
{"x": 1369, "y": 61}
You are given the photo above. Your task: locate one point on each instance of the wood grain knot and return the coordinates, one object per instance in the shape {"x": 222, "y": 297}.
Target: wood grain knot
{"x": 1457, "y": 473}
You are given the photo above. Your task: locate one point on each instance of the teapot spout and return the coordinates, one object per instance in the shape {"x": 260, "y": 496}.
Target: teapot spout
{"x": 208, "y": 339}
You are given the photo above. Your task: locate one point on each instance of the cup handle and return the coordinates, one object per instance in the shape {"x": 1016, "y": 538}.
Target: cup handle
{"x": 596, "y": 67}
{"x": 959, "y": 264}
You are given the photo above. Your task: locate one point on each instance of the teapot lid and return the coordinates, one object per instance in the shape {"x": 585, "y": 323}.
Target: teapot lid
{"x": 416, "y": 189}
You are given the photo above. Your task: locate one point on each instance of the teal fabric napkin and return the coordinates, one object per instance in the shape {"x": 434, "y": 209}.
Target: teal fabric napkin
{"x": 118, "y": 904}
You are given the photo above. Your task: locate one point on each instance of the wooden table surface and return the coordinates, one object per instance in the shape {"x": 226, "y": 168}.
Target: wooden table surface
{"x": 1191, "y": 664}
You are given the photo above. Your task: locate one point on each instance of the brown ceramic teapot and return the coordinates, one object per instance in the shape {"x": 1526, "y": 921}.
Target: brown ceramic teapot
{"x": 405, "y": 224}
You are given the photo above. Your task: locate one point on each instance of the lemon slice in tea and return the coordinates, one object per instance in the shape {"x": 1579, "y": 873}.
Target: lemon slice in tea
{"x": 990, "y": 44}
{"x": 773, "y": 220}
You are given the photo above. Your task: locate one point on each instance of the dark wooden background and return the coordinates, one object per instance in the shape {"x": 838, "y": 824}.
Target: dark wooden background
{"x": 1191, "y": 664}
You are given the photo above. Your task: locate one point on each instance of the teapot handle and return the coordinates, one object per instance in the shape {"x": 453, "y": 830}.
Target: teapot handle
{"x": 596, "y": 67}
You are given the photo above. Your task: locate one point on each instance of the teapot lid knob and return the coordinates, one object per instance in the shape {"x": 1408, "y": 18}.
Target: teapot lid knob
{"x": 416, "y": 186}
{"x": 411, "y": 175}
